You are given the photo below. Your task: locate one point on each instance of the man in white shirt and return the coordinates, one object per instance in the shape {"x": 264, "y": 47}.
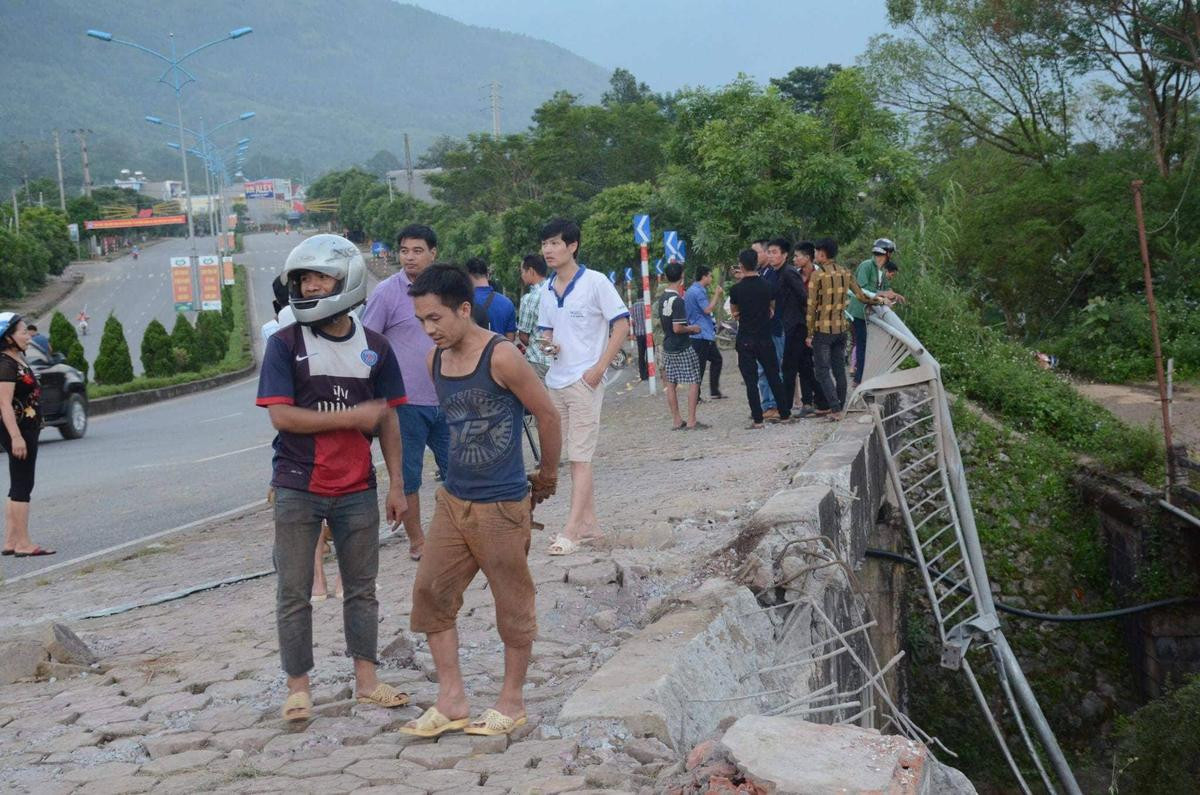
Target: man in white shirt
{"x": 582, "y": 321}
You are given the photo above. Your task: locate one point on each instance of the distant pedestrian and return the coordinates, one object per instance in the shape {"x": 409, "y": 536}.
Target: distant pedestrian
{"x": 870, "y": 277}
{"x": 328, "y": 383}
{"x": 533, "y": 276}
{"x": 791, "y": 302}
{"x": 283, "y": 310}
{"x": 491, "y": 309}
{"x": 752, "y": 304}
{"x": 390, "y": 312}
{"x": 584, "y": 323}
{"x": 826, "y": 321}
{"x": 482, "y": 520}
{"x": 20, "y": 426}
{"x": 637, "y": 319}
{"x": 700, "y": 314}
{"x": 681, "y": 366}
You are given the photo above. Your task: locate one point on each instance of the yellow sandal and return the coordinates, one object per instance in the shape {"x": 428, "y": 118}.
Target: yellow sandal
{"x": 385, "y": 696}
{"x": 492, "y": 722}
{"x": 432, "y": 723}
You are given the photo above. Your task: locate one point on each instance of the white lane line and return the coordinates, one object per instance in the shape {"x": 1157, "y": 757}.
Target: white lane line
{"x": 139, "y": 541}
{"x": 231, "y": 452}
{"x": 222, "y": 417}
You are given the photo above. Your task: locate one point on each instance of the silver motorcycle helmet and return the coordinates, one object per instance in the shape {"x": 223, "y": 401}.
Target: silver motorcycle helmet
{"x": 331, "y": 255}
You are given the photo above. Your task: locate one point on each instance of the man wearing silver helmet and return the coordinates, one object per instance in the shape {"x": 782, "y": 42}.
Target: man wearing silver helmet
{"x": 329, "y": 384}
{"x": 870, "y": 277}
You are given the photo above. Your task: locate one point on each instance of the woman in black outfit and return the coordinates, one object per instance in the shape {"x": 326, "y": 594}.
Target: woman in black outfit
{"x": 20, "y": 424}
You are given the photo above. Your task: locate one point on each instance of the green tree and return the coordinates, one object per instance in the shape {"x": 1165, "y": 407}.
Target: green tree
{"x": 157, "y": 357}
{"x": 227, "y": 307}
{"x": 24, "y": 263}
{"x": 77, "y": 358}
{"x": 183, "y": 344}
{"x": 624, "y": 89}
{"x": 212, "y": 339}
{"x": 381, "y": 163}
{"x": 49, "y": 227}
{"x": 435, "y": 155}
{"x": 805, "y": 86}
{"x": 62, "y": 332}
{"x": 113, "y": 363}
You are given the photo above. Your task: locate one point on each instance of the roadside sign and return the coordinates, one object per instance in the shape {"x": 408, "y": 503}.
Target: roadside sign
{"x": 682, "y": 251}
{"x": 181, "y": 283}
{"x": 641, "y": 229}
{"x": 73, "y": 231}
{"x": 629, "y": 274}
{"x": 210, "y": 283}
{"x": 671, "y": 244}
{"x": 612, "y": 276}
{"x": 227, "y": 270}
{"x": 658, "y": 268}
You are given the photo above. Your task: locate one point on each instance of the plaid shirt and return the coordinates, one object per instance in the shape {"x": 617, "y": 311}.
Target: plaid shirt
{"x": 527, "y": 320}
{"x": 828, "y": 296}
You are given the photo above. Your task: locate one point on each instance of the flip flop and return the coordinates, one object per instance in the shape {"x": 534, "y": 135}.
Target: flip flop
{"x": 433, "y": 723}
{"x": 386, "y": 696}
{"x": 297, "y": 707}
{"x": 699, "y": 426}
{"x": 36, "y": 553}
{"x": 562, "y": 546}
{"x": 319, "y": 597}
{"x": 8, "y": 552}
{"x": 679, "y": 427}
{"x": 492, "y": 722}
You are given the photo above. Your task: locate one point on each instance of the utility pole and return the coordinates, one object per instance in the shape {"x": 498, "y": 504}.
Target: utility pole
{"x": 62, "y": 196}
{"x": 87, "y": 173}
{"x": 495, "y": 109}
{"x": 408, "y": 164}
{"x": 16, "y": 211}
{"x": 25, "y": 170}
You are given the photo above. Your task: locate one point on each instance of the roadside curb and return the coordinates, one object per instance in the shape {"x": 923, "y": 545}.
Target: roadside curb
{"x": 129, "y": 400}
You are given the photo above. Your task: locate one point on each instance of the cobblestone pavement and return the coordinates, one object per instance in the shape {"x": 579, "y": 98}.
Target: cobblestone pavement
{"x": 187, "y": 698}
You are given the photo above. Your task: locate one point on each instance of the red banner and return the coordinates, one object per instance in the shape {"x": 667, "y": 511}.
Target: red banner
{"x": 121, "y": 223}
{"x": 210, "y": 283}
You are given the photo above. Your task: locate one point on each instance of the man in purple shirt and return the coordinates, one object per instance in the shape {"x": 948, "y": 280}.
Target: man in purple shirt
{"x": 390, "y": 312}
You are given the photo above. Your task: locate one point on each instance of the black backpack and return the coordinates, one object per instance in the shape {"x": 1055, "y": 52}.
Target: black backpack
{"x": 479, "y": 312}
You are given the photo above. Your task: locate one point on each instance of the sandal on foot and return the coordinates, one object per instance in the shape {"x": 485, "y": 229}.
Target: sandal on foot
{"x": 491, "y": 723}
{"x": 319, "y": 597}
{"x": 386, "y": 696}
{"x": 8, "y": 552}
{"x": 754, "y": 426}
{"x": 36, "y": 553}
{"x": 562, "y": 546}
{"x": 297, "y": 707}
{"x": 432, "y": 723}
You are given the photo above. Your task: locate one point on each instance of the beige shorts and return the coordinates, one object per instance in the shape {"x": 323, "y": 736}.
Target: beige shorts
{"x": 579, "y": 407}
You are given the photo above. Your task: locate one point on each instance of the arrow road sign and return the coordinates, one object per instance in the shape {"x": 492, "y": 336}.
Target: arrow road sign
{"x": 629, "y": 274}
{"x": 682, "y": 251}
{"x": 612, "y": 276}
{"x": 658, "y": 268}
{"x": 641, "y": 229}
{"x": 671, "y": 244}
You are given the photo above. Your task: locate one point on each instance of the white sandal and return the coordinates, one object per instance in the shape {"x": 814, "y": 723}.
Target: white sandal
{"x": 562, "y": 546}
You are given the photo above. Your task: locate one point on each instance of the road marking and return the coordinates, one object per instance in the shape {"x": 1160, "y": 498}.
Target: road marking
{"x": 137, "y": 541}
{"x": 231, "y": 452}
{"x": 222, "y": 417}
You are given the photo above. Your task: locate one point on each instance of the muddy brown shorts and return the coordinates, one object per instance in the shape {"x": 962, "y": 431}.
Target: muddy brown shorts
{"x": 465, "y": 537}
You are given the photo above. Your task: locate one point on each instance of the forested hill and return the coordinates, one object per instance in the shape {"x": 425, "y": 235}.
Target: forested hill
{"x": 331, "y": 82}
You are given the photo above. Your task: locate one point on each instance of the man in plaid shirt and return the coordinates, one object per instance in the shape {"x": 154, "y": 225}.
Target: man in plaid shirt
{"x": 828, "y": 294}
{"x": 533, "y": 274}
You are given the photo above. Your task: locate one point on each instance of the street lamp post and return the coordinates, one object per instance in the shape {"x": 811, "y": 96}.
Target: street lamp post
{"x": 179, "y": 77}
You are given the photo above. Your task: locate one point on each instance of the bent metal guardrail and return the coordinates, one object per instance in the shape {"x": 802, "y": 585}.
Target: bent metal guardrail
{"x": 926, "y": 472}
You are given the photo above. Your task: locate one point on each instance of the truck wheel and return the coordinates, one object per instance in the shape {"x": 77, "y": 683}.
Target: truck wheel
{"x": 77, "y": 420}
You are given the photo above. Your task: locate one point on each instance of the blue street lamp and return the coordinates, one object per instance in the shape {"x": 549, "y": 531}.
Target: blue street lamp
{"x": 176, "y": 77}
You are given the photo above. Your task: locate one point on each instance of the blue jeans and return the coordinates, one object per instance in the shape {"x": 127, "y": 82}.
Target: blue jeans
{"x": 421, "y": 427}
{"x": 354, "y": 522}
{"x": 764, "y": 389}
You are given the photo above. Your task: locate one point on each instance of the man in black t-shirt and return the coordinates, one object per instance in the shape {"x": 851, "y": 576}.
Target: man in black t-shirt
{"x": 753, "y": 306}
{"x": 680, "y": 363}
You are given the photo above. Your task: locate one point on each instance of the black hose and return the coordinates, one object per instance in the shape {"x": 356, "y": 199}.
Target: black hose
{"x": 1107, "y": 615}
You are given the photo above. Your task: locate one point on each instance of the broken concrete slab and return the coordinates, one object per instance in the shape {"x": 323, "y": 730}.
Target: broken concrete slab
{"x": 834, "y": 759}
{"x": 19, "y": 659}
{"x": 64, "y": 646}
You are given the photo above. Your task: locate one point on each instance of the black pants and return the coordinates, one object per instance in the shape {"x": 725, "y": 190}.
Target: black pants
{"x": 754, "y": 352}
{"x": 798, "y": 361}
{"x": 829, "y": 360}
{"x": 707, "y": 351}
{"x": 643, "y": 370}
{"x": 20, "y": 470}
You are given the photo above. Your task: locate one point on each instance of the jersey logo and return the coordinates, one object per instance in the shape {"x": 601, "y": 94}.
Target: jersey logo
{"x": 369, "y": 357}
{"x": 300, "y": 358}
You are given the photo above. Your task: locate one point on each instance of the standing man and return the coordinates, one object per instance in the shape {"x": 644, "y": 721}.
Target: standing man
{"x": 774, "y": 256}
{"x": 828, "y": 293}
{"x": 752, "y": 304}
{"x": 791, "y": 302}
{"x": 699, "y": 308}
{"x": 328, "y": 384}
{"x": 482, "y": 518}
{"x": 533, "y": 276}
{"x": 491, "y": 309}
{"x": 584, "y": 322}
{"x": 870, "y": 277}
{"x": 390, "y": 312}
{"x": 811, "y": 399}
{"x": 680, "y": 363}
{"x": 638, "y": 322}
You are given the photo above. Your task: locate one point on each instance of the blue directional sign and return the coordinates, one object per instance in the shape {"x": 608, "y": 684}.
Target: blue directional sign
{"x": 612, "y": 276}
{"x": 641, "y": 229}
{"x": 671, "y": 244}
{"x": 378, "y": 247}
{"x": 658, "y": 268}
{"x": 629, "y": 274}
{"x": 682, "y": 251}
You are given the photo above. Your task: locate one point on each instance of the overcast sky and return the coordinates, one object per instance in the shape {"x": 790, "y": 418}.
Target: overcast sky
{"x": 673, "y": 43}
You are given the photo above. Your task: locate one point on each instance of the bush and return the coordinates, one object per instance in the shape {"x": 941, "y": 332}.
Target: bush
{"x": 158, "y": 358}
{"x": 227, "y": 307}
{"x": 62, "y": 333}
{"x": 77, "y": 358}
{"x": 183, "y": 343}
{"x": 114, "y": 364}
{"x": 212, "y": 339}
{"x": 1158, "y": 752}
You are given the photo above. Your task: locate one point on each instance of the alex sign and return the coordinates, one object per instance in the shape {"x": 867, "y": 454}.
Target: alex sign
{"x": 181, "y": 283}
{"x": 210, "y": 283}
{"x": 260, "y": 189}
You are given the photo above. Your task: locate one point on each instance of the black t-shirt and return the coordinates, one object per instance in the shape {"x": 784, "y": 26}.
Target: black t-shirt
{"x": 671, "y": 311}
{"x": 752, "y": 296}
{"x": 791, "y": 300}
{"x": 27, "y": 393}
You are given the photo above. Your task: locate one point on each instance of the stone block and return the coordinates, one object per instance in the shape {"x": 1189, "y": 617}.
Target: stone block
{"x": 593, "y": 574}
{"x": 19, "y": 659}
{"x": 177, "y": 763}
{"x": 250, "y": 740}
{"x": 119, "y": 786}
{"x": 64, "y": 646}
{"x": 835, "y": 758}
{"x": 178, "y": 742}
{"x": 383, "y": 772}
{"x": 436, "y": 755}
{"x": 85, "y": 775}
{"x": 710, "y": 647}
{"x": 435, "y": 780}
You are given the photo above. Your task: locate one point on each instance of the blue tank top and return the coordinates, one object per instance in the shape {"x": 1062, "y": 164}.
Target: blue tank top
{"x": 486, "y": 460}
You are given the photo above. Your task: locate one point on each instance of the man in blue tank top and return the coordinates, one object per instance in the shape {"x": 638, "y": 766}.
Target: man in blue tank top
{"x": 482, "y": 513}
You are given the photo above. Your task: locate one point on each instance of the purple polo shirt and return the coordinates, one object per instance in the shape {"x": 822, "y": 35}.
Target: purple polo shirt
{"x": 390, "y": 312}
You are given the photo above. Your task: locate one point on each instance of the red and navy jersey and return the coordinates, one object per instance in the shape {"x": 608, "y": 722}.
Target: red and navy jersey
{"x": 304, "y": 367}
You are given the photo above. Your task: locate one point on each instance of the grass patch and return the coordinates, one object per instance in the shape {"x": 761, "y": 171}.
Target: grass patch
{"x": 237, "y": 357}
